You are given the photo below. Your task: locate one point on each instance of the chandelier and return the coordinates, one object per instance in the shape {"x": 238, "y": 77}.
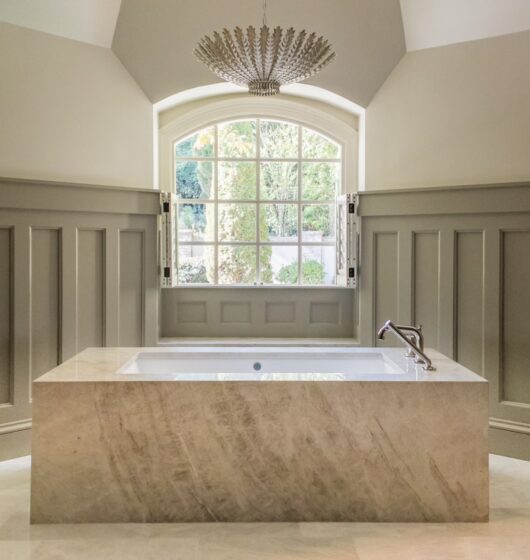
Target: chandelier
{"x": 266, "y": 59}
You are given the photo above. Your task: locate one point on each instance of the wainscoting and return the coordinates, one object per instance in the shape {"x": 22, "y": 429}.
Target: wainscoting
{"x": 457, "y": 261}
{"x": 258, "y": 312}
{"x": 77, "y": 269}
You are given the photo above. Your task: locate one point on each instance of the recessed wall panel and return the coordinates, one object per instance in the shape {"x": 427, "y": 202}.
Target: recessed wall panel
{"x": 90, "y": 289}
{"x": 5, "y": 314}
{"x": 191, "y": 312}
{"x": 386, "y": 281}
{"x": 324, "y": 312}
{"x": 283, "y": 312}
{"x": 469, "y": 268}
{"x": 236, "y": 312}
{"x": 131, "y": 288}
{"x": 45, "y": 300}
{"x": 515, "y": 352}
{"x": 426, "y": 294}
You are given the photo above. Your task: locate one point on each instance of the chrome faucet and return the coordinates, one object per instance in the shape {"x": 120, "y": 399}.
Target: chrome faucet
{"x": 413, "y": 341}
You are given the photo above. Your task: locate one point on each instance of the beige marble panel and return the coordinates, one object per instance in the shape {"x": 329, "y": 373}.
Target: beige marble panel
{"x": 256, "y": 451}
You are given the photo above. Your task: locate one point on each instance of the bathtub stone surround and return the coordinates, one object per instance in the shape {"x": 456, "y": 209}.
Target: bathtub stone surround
{"x": 109, "y": 447}
{"x": 505, "y": 537}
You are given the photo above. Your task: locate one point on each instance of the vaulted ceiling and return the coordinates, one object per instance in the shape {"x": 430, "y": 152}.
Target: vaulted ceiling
{"x": 433, "y": 23}
{"x": 90, "y": 21}
{"x": 154, "y": 39}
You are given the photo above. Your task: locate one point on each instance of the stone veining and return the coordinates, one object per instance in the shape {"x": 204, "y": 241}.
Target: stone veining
{"x": 166, "y": 451}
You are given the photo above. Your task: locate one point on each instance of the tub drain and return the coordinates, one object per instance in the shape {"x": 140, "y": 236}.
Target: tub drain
{"x": 256, "y": 366}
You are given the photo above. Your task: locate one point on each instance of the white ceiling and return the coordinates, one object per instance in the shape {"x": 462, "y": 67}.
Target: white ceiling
{"x": 432, "y": 23}
{"x": 90, "y": 21}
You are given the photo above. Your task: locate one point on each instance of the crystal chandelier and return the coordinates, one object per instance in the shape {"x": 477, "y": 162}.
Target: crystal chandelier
{"x": 266, "y": 59}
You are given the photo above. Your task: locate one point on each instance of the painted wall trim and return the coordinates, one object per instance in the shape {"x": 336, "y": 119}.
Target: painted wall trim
{"x": 520, "y": 427}
{"x": 454, "y": 200}
{"x": 27, "y": 194}
{"x": 16, "y": 426}
{"x": 296, "y": 90}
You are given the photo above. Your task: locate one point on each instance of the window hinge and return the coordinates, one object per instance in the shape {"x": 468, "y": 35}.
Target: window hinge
{"x": 353, "y": 206}
{"x": 351, "y": 272}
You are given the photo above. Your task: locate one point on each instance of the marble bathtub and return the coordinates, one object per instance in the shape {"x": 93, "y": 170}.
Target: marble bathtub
{"x": 313, "y": 434}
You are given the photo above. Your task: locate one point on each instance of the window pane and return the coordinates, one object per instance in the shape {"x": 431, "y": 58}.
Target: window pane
{"x": 237, "y": 222}
{"x": 196, "y": 264}
{"x": 316, "y": 146}
{"x": 320, "y": 181}
{"x": 237, "y": 264}
{"x": 318, "y": 264}
{"x": 194, "y": 179}
{"x": 318, "y": 223}
{"x": 279, "y": 181}
{"x": 199, "y": 144}
{"x": 279, "y": 264}
{"x": 279, "y": 140}
{"x": 237, "y": 139}
{"x": 237, "y": 180}
{"x": 195, "y": 222}
{"x": 279, "y": 222}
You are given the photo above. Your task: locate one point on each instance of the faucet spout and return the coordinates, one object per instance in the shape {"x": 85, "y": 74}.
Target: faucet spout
{"x": 415, "y": 347}
{"x": 382, "y": 331}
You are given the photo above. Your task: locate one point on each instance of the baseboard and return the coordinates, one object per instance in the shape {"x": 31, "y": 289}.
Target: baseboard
{"x": 510, "y": 443}
{"x": 15, "y": 444}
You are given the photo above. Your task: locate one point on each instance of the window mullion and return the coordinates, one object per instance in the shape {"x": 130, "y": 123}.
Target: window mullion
{"x": 299, "y": 205}
{"x": 216, "y": 205}
{"x": 258, "y": 199}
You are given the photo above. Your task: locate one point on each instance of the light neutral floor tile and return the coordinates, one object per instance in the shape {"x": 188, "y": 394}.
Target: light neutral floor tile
{"x": 505, "y": 537}
{"x": 444, "y": 548}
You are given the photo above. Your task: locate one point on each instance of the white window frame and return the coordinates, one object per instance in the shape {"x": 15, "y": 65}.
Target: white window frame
{"x": 290, "y": 110}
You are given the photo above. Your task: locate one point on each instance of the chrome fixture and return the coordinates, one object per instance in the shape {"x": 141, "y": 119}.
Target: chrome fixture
{"x": 266, "y": 59}
{"x": 416, "y": 336}
{"x": 414, "y": 342}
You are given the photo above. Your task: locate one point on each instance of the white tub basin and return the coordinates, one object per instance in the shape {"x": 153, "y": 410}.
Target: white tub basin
{"x": 263, "y": 364}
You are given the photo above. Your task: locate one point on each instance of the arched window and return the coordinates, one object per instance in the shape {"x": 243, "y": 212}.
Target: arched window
{"x": 256, "y": 204}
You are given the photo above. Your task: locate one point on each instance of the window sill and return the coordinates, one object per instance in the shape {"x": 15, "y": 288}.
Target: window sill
{"x": 252, "y": 341}
{"x": 252, "y": 287}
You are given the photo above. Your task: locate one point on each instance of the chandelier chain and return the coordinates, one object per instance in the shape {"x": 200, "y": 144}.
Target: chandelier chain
{"x": 264, "y": 12}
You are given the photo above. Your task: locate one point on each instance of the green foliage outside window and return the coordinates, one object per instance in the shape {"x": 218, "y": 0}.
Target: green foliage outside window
{"x": 312, "y": 273}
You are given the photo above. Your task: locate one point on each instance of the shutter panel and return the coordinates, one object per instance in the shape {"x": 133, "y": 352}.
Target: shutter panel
{"x": 347, "y": 240}
{"x": 168, "y": 269}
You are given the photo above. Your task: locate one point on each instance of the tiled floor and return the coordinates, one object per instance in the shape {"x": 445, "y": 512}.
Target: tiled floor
{"x": 506, "y": 537}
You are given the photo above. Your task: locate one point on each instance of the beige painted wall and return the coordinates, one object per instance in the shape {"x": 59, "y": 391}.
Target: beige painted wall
{"x": 453, "y": 115}
{"x": 69, "y": 111}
